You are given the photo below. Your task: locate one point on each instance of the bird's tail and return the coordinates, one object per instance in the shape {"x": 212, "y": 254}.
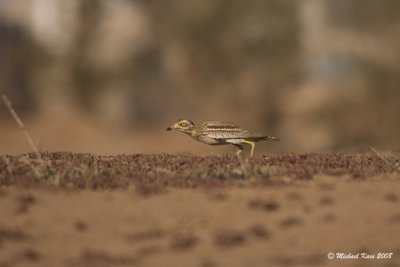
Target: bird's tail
{"x": 271, "y": 138}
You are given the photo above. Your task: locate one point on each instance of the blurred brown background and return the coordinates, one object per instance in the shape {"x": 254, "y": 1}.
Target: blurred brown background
{"x": 109, "y": 76}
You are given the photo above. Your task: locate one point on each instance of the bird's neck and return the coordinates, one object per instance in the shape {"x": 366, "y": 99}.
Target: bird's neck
{"x": 193, "y": 132}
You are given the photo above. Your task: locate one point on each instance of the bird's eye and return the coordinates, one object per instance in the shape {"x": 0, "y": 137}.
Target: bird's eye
{"x": 183, "y": 124}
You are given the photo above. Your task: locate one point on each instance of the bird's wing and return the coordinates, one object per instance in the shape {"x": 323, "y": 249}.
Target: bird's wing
{"x": 226, "y": 130}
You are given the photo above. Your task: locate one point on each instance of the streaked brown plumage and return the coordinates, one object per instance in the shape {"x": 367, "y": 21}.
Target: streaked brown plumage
{"x": 221, "y": 133}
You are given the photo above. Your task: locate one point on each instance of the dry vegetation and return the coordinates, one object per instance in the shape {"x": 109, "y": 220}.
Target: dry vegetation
{"x": 157, "y": 172}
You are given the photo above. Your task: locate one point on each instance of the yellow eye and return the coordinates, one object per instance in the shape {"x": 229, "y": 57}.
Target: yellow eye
{"x": 183, "y": 124}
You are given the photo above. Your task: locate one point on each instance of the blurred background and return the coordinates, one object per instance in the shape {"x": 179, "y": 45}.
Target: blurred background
{"x": 108, "y": 77}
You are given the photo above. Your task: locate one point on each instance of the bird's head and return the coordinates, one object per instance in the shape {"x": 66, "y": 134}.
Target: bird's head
{"x": 185, "y": 126}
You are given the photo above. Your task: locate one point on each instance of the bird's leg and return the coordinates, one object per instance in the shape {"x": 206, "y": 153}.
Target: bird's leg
{"x": 240, "y": 149}
{"x": 253, "y": 145}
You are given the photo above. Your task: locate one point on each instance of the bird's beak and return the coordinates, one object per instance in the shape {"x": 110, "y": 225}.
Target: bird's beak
{"x": 171, "y": 128}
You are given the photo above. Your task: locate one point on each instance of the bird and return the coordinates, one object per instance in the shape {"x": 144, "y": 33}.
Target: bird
{"x": 221, "y": 133}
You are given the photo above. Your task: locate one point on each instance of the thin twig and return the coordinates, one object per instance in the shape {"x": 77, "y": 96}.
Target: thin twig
{"x": 23, "y": 128}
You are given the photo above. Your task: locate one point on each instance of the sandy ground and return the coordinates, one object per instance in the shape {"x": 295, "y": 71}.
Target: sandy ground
{"x": 241, "y": 223}
{"x": 289, "y": 226}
